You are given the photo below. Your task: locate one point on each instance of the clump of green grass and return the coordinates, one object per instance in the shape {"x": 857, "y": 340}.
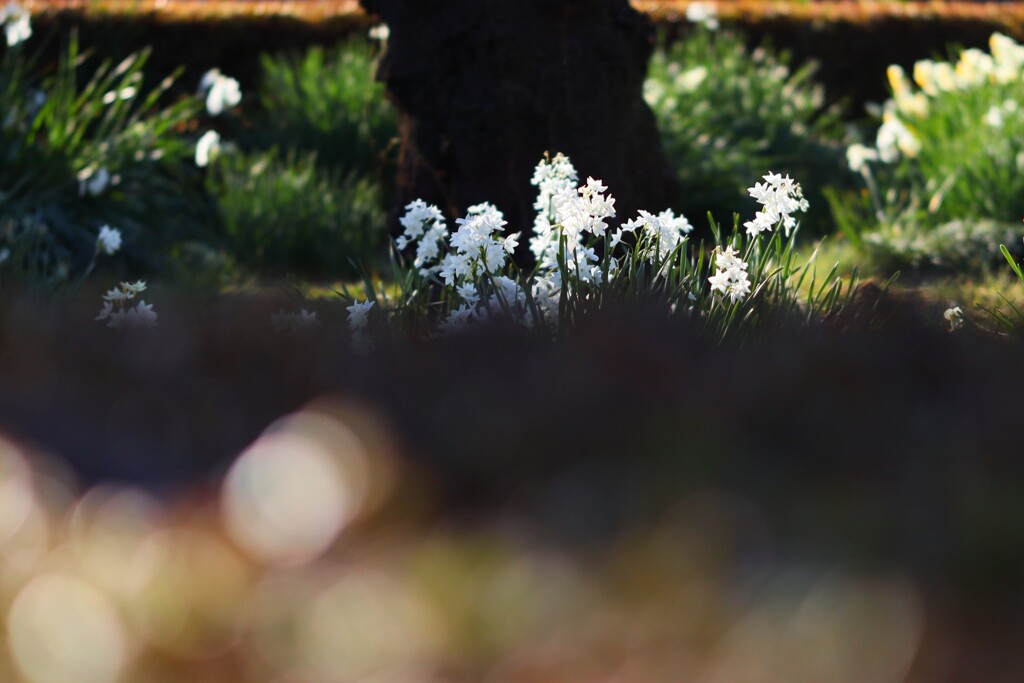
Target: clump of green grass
{"x": 85, "y": 146}
{"x": 281, "y": 213}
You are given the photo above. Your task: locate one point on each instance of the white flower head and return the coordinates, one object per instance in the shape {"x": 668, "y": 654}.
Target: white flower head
{"x": 858, "y": 156}
{"x": 119, "y": 314}
{"x": 109, "y": 240}
{"x": 730, "y": 279}
{"x": 93, "y": 181}
{"x": 207, "y": 148}
{"x": 703, "y": 13}
{"x": 17, "y": 23}
{"x": 955, "y": 317}
{"x": 358, "y": 315}
{"x": 222, "y": 92}
{"x": 380, "y": 33}
{"x": 133, "y": 288}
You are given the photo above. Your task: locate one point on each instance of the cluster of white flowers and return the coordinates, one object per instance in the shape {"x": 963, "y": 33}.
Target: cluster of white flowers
{"x": 17, "y": 22}
{"x": 566, "y": 214}
{"x": 571, "y": 228}
{"x": 666, "y": 232}
{"x": 222, "y": 92}
{"x": 730, "y": 279}
{"x": 424, "y": 226}
{"x": 477, "y": 248}
{"x": 119, "y": 313}
{"x": 108, "y": 241}
{"x": 477, "y": 251}
{"x": 294, "y": 323}
{"x": 780, "y": 197}
{"x": 572, "y": 223}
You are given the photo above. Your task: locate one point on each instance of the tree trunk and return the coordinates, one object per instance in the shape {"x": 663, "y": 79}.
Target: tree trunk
{"x": 485, "y": 87}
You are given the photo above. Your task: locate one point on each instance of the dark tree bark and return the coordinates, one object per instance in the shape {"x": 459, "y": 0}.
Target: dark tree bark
{"x": 485, "y": 87}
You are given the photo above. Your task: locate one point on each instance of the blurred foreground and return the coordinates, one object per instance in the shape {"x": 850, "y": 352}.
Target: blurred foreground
{"x": 213, "y": 502}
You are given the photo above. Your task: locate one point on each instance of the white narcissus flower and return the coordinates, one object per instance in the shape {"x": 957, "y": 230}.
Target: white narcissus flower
{"x": 222, "y": 92}
{"x": 109, "y": 240}
{"x": 17, "y": 23}
{"x": 858, "y": 156}
{"x": 358, "y": 315}
{"x": 207, "y": 148}
{"x": 133, "y": 288}
{"x": 955, "y": 317}
{"x": 119, "y": 314}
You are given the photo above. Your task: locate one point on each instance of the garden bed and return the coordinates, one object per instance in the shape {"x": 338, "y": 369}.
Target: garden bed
{"x": 662, "y": 446}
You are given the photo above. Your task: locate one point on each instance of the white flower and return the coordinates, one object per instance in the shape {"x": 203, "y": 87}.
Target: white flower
{"x": 109, "y": 240}
{"x": 116, "y": 294}
{"x": 207, "y": 148}
{"x": 858, "y": 156}
{"x": 994, "y": 117}
{"x": 380, "y": 33}
{"x": 729, "y": 259}
{"x": 133, "y": 288}
{"x": 468, "y": 293}
{"x": 691, "y": 79}
{"x": 118, "y": 314}
{"x": 358, "y": 315}
{"x": 92, "y": 181}
{"x": 955, "y": 317}
{"x": 222, "y": 92}
{"x": 567, "y": 212}
{"x": 511, "y": 242}
{"x": 418, "y": 214}
{"x": 703, "y": 13}
{"x": 106, "y": 311}
{"x": 17, "y": 23}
